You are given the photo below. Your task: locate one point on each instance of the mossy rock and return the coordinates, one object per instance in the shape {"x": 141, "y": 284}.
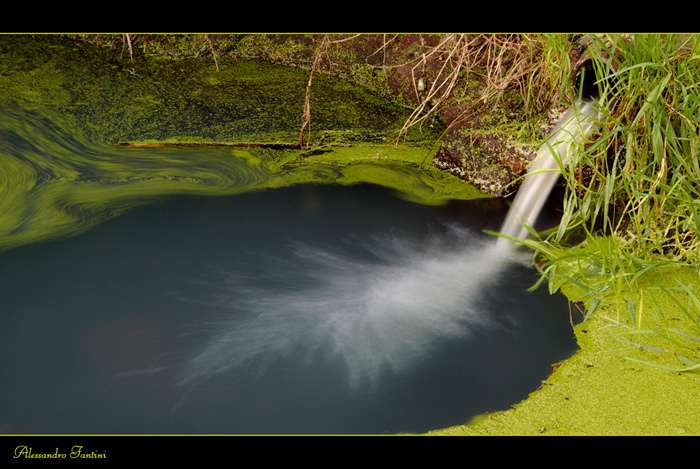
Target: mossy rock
{"x": 491, "y": 145}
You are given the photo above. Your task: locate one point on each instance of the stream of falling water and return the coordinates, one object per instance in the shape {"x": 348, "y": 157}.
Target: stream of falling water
{"x": 576, "y": 123}
{"x": 387, "y": 313}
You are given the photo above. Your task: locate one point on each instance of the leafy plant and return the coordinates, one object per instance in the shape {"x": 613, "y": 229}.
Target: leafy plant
{"x": 639, "y": 179}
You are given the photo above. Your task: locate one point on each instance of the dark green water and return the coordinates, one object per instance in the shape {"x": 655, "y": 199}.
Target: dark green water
{"x": 167, "y": 291}
{"x": 184, "y": 290}
{"x": 313, "y": 309}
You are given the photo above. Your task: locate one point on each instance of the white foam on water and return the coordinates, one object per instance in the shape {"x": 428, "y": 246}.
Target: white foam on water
{"x": 378, "y": 315}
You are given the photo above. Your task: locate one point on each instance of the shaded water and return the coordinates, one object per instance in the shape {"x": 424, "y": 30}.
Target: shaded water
{"x": 312, "y": 309}
{"x": 164, "y": 291}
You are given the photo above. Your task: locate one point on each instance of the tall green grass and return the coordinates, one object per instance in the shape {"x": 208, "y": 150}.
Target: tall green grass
{"x": 639, "y": 178}
{"x": 632, "y": 191}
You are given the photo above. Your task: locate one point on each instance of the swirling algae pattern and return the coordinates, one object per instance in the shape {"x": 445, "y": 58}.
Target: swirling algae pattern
{"x": 54, "y": 183}
{"x": 64, "y": 109}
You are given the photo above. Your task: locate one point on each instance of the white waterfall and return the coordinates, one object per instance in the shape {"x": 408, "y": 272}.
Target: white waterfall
{"x": 578, "y": 122}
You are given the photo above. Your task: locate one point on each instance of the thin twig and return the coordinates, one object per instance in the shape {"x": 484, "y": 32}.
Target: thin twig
{"x": 216, "y": 62}
{"x": 131, "y": 53}
{"x": 506, "y": 60}
{"x": 306, "y": 116}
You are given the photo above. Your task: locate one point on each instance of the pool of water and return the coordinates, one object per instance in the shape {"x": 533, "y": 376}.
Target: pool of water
{"x": 312, "y": 309}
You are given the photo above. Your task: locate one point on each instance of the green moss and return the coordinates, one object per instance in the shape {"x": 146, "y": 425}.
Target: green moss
{"x": 66, "y": 105}
{"x": 113, "y": 99}
{"x": 396, "y": 167}
{"x": 600, "y": 390}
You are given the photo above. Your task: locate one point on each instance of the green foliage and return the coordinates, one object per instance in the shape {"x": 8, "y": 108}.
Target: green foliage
{"x": 638, "y": 179}
{"x": 682, "y": 345}
{"x": 633, "y": 192}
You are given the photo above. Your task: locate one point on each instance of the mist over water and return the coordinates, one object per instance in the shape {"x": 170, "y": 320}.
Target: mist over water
{"x": 379, "y": 304}
{"x": 266, "y": 313}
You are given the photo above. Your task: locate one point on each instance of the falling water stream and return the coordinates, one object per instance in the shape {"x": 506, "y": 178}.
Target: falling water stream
{"x": 576, "y": 123}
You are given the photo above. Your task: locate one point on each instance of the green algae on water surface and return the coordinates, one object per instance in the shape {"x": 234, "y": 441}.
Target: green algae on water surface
{"x": 54, "y": 184}
{"x": 602, "y": 390}
{"x": 115, "y": 100}
{"x": 66, "y": 106}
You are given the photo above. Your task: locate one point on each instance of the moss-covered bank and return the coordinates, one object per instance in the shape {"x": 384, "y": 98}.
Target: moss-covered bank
{"x": 466, "y": 89}
{"x": 68, "y": 109}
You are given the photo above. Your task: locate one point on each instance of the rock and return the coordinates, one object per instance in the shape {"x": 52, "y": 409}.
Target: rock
{"x": 488, "y": 160}
{"x": 491, "y": 146}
